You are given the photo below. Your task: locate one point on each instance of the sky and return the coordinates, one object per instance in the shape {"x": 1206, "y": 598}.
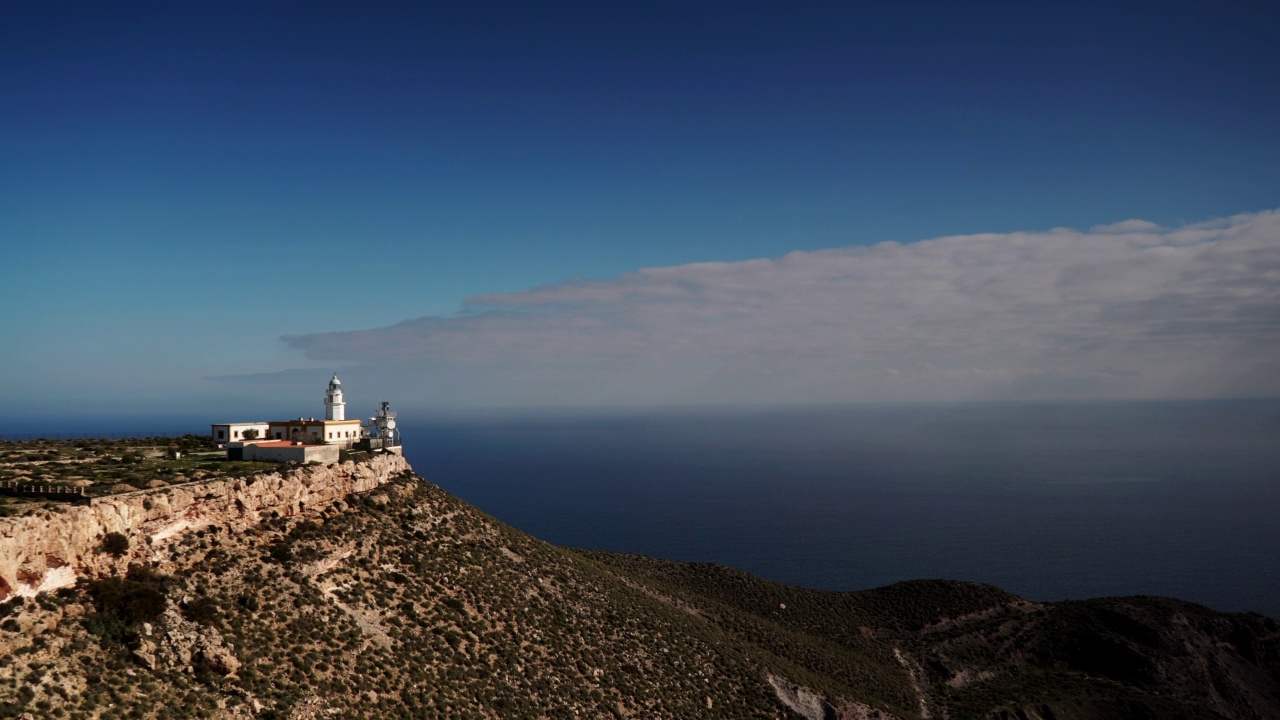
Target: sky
{"x": 479, "y": 205}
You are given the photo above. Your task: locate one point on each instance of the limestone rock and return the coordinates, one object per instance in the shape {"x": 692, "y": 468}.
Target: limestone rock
{"x": 47, "y": 550}
{"x": 217, "y": 659}
{"x": 804, "y": 702}
{"x": 145, "y": 654}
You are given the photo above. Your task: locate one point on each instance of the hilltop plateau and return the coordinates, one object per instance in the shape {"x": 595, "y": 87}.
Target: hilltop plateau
{"x": 99, "y": 468}
{"x": 403, "y": 601}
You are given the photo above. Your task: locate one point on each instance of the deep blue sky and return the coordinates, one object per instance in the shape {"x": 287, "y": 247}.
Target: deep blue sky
{"x": 183, "y": 184}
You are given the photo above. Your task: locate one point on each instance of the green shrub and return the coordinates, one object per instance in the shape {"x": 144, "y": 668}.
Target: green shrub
{"x": 106, "y": 627}
{"x": 129, "y": 601}
{"x": 115, "y": 544}
{"x": 202, "y": 610}
{"x": 8, "y": 607}
{"x": 281, "y": 552}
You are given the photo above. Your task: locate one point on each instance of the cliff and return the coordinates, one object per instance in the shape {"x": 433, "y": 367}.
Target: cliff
{"x": 407, "y": 602}
{"x": 52, "y": 548}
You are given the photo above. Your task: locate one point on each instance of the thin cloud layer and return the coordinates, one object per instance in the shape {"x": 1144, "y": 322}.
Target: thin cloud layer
{"x": 1120, "y": 311}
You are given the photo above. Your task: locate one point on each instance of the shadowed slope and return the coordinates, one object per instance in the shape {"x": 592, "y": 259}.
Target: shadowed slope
{"x": 974, "y": 650}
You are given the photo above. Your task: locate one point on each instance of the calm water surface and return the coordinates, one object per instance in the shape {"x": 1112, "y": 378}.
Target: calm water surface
{"x": 1048, "y": 501}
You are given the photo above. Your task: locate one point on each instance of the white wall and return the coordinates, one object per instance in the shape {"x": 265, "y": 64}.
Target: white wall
{"x": 315, "y": 432}
{"x": 233, "y": 432}
{"x": 337, "y": 411}
{"x": 344, "y": 435}
{"x": 327, "y": 454}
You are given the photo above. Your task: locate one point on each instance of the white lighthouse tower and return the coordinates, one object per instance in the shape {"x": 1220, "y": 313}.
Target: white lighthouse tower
{"x": 334, "y": 406}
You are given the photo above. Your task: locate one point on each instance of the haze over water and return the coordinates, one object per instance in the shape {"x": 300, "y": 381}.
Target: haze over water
{"x": 1050, "y": 501}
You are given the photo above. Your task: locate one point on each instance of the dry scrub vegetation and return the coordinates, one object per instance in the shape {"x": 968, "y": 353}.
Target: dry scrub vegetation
{"x": 406, "y": 602}
{"x": 105, "y": 467}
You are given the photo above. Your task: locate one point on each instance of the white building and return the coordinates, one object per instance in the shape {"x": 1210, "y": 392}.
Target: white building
{"x": 320, "y": 432}
{"x": 234, "y": 432}
{"x": 335, "y": 429}
{"x": 282, "y": 451}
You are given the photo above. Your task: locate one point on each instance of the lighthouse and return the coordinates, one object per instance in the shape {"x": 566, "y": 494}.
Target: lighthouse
{"x": 299, "y": 436}
{"x": 334, "y": 407}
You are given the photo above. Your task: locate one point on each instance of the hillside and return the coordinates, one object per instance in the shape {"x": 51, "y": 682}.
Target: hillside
{"x": 406, "y": 602}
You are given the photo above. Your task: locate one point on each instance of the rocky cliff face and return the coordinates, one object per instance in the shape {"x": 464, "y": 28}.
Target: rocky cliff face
{"x": 51, "y": 549}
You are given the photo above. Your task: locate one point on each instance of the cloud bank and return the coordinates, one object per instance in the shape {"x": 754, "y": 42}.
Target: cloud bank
{"x": 1129, "y": 310}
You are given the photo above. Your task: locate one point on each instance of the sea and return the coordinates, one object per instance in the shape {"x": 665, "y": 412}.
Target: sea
{"x": 1051, "y": 501}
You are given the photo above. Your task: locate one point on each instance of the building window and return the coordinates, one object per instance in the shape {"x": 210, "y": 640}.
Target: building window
{"x": 235, "y": 434}
{"x": 220, "y": 435}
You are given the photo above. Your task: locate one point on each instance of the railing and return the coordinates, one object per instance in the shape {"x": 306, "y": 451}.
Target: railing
{"x": 50, "y": 492}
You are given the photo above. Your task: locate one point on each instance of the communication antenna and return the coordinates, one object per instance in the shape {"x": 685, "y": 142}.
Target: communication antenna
{"x": 384, "y": 424}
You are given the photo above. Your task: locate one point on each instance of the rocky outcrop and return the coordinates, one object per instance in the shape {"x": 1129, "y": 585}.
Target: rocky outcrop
{"x": 802, "y": 701}
{"x": 185, "y": 644}
{"x": 810, "y": 705}
{"x": 52, "y": 548}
